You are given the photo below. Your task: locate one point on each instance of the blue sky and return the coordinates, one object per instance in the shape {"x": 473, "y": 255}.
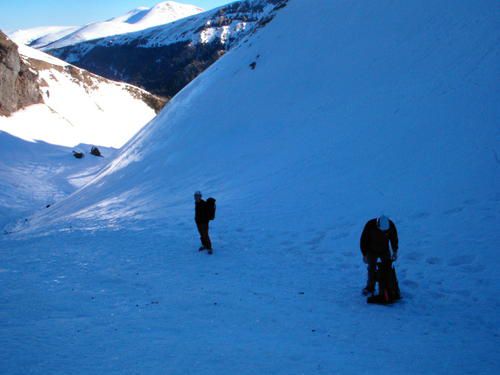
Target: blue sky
{"x": 22, "y": 14}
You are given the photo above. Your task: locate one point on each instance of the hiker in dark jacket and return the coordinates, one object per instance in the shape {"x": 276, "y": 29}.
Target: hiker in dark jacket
{"x": 374, "y": 243}
{"x": 202, "y": 217}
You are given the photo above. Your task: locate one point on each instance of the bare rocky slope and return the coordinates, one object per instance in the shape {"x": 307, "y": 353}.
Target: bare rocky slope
{"x": 18, "y": 83}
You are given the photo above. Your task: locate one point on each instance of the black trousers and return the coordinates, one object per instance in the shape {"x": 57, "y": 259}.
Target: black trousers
{"x": 204, "y": 237}
{"x": 385, "y": 258}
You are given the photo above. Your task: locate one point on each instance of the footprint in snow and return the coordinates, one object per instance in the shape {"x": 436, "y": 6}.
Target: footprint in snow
{"x": 489, "y": 217}
{"x": 410, "y": 284}
{"x": 456, "y": 292}
{"x": 342, "y": 266}
{"x": 472, "y": 268}
{"x": 437, "y": 295}
{"x": 315, "y": 241}
{"x": 420, "y": 215}
{"x": 483, "y": 282}
{"x": 452, "y": 211}
{"x": 414, "y": 256}
{"x": 433, "y": 260}
{"x": 471, "y": 202}
{"x": 422, "y": 243}
{"x": 340, "y": 235}
{"x": 461, "y": 260}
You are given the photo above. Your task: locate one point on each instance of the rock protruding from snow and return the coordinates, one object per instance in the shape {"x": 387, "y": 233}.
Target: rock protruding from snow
{"x": 18, "y": 83}
{"x": 36, "y": 175}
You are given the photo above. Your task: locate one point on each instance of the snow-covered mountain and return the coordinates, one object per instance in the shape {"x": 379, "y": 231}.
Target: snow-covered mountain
{"x": 137, "y": 19}
{"x": 166, "y": 58}
{"x": 44, "y": 98}
{"x": 38, "y": 37}
{"x": 302, "y": 134}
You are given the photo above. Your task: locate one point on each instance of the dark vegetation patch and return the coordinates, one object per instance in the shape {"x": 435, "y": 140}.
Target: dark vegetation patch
{"x": 163, "y": 71}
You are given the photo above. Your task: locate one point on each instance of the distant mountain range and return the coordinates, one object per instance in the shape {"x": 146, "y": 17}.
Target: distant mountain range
{"x": 137, "y": 19}
{"x": 39, "y": 37}
{"x": 162, "y": 59}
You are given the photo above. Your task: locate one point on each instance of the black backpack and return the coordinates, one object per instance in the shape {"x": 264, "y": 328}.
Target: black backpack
{"x": 211, "y": 208}
{"x": 388, "y": 285}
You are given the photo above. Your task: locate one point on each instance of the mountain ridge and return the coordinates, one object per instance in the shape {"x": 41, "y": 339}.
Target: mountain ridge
{"x": 137, "y": 19}
{"x": 164, "y": 59}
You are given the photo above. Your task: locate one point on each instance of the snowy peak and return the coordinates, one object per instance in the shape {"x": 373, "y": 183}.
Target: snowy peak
{"x": 166, "y": 12}
{"x": 133, "y": 16}
{"x": 135, "y": 20}
{"x": 159, "y": 14}
{"x": 38, "y": 37}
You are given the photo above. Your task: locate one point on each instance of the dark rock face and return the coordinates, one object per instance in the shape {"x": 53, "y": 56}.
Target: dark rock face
{"x": 78, "y": 154}
{"x": 163, "y": 60}
{"x": 95, "y": 151}
{"x": 19, "y": 87}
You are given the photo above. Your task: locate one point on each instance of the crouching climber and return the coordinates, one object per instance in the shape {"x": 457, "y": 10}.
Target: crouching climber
{"x": 377, "y": 234}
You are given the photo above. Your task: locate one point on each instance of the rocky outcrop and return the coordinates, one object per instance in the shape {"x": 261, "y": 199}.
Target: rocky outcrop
{"x": 155, "y": 102}
{"x": 19, "y": 86}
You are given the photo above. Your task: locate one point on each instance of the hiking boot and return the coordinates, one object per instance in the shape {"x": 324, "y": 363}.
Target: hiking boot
{"x": 210, "y": 252}
{"x": 202, "y": 248}
{"x": 367, "y": 291}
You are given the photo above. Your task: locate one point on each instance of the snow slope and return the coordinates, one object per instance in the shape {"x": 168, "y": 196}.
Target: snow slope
{"x": 38, "y": 37}
{"x": 36, "y": 174}
{"x": 78, "y": 107}
{"x": 135, "y": 20}
{"x": 374, "y": 107}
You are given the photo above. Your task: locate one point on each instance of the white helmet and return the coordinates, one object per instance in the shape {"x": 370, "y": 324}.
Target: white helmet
{"x": 383, "y": 223}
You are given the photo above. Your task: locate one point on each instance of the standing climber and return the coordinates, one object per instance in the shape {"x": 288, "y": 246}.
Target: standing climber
{"x": 204, "y": 212}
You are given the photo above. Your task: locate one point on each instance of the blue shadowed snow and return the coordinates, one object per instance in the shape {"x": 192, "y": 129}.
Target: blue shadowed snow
{"x": 353, "y": 109}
